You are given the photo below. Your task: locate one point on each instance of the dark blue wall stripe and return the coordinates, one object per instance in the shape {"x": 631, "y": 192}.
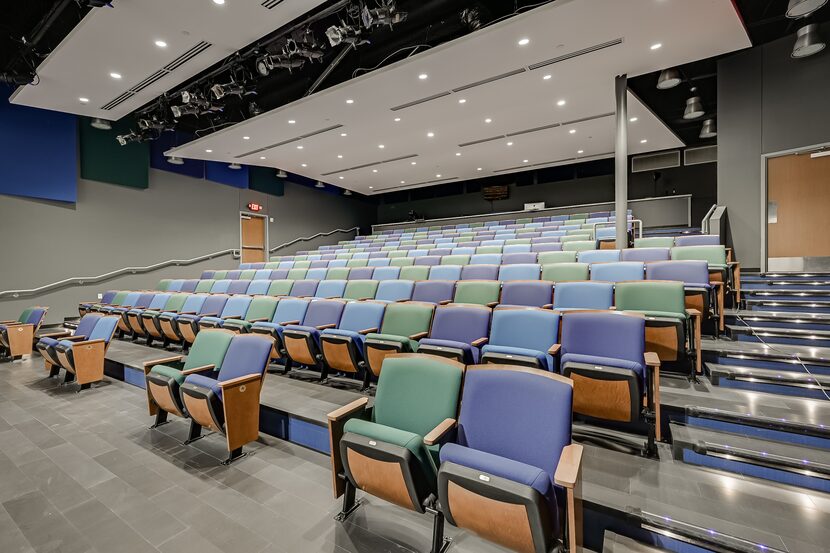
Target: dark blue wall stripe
{"x": 219, "y": 172}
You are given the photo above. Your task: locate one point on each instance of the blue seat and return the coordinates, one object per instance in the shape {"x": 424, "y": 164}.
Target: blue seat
{"x": 646, "y": 255}
{"x": 598, "y": 256}
{"x": 220, "y": 286}
{"x": 445, "y": 272}
{"x": 458, "y": 332}
{"x": 527, "y": 293}
{"x": 189, "y": 286}
{"x": 394, "y": 290}
{"x": 343, "y": 347}
{"x": 525, "y": 337}
{"x": 304, "y": 288}
{"x": 386, "y": 273}
{"x": 618, "y": 271}
{"x": 433, "y": 291}
{"x": 84, "y": 360}
{"x": 485, "y": 259}
{"x": 186, "y": 325}
{"x": 175, "y": 285}
{"x": 518, "y": 258}
{"x": 583, "y": 295}
{"x": 379, "y": 262}
{"x": 288, "y": 311}
{"x": 46, "y": 345}
{"x": 524, "y": 271}
{"x": 235, "y": 308}
{"x": 316, "y": 274}
{"x": 330, "y": 289}
{"x": 301, "y": 342}
{"x": 480, "y": 272}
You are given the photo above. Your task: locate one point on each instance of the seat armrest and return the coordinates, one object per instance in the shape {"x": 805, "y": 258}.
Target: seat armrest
{"x": 349, "y": 410}
{"x": 172, "y": 359}
{"x": 367, "y": 298}
{"x": 367, "y": 331}
{"x": 569, "y": 469}
{"x": 88, "y": 342}
{"x": 186, "y": 313}
{"x": 554, "y": 349}
{"x": 229, "y": 317}
{"x": 240, "y": 381}
{"x": 444, "y": 302}
{"x": 75, "y": 338}
{"x": 547, "y": 306}
{"x": 480, "y": 342}
{"x": 324, "y": 327}
{"x": 652, "y": 360}
{"x": 259, "y": 320}
{"x": 437, "y": 434}
{"x": 692, "y": 312}
{"x": 207, "y": 314}
{"x": 492, "y": 304}
{"x": 419, "y": 336}
{"x": 286, "y": 323}
{"x": 197, "y": 370}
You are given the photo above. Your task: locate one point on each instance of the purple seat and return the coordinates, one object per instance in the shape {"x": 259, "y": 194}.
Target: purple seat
{"x": 645, "y": 255}
{"x": 302, "y": 288}
{"x": 360, "y": 273}
{"x": 233, "y": 275}
{"x": 693, "y": 273}
{"x": 429, "y": 260}
{"x": 189, "y": 286}
{"x": 528, "y": 293}
{"x": 517, "y": 258}
{"x": 458, "y": 331}
{"x": 433, "y": 291}
{"x": 317, "y": 264}
{"x": 546, "y": 247}
{"x": 440, "y": 251}
{"x": 238, "y": 286}
{"x": 697, "y": 240}
{"x": 480, "y": 272}
{"x": 302, "y": 342}
{"x": 279, "y": 274}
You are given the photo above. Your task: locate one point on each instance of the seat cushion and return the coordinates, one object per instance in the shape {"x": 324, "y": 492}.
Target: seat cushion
{"x": 237, "y": 323}
{"x": 170, "y": 372}
{"x": 65, "y": 344}
{"x": 501, "y": 467}
{"x": 315, "y": 334}
{"x": 602, "y": 361}
{"x": 409, "y": 440}
{"x": 664, "y": 315}
{"x": 469, "y": 352}
{"x": 212, "y": 321}
{"x": 405, "y": 342}
{"x": 545, "y": 360}
{"x": 358, "y": 339}
{"x": 269, "y": 326}
{"x": 150, "y": 313}
{"x": 48, "y": 342}
{"x": 205, "y": 382}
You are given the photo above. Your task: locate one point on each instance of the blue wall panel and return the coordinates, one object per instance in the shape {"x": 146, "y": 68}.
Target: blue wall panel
{"x": 219, "y": 172}
{"x": 167, "y": 140}
{"x": 38, "y": 152}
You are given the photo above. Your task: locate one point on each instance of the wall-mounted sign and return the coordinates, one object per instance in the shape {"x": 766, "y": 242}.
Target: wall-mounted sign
{"x": 255, "y": 207}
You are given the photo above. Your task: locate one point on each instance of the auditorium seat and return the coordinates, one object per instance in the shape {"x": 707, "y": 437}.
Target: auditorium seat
{"x": 235, "y": 308}
{"x": 280, "y": 287}
{"x": 480, "y": 292}
{"x": 164, "y": 376}
{"x": 697, "y": 240}
{"x": 615, "y": 381}
{"x": 189, "y": 286}
{"x": 187, "y": 325}
{"x": 598, "y": 256}
{"x": 378, "y": 262}
{"x": 445, "y": 272}
{"x": 133, "y": 318}
{"x": 390, "y": 291}
{"x": 527, "y": 293}
{"x": 220, "y": 275}
{"x": 619, "y": 271}
{"x": 646, "y": 255}
{"x": 220, "y": 286}
{"x": 479, "y": 272}
{"x": 342, "y": 348}
{"x": 700, "y": 294}
{"x": 390, "y": 449}
{"x": 289, "y": 311}
{"x": 46, "y": 345}
{"x": 455, "y": 260}
{"x": 304, "y": 288}
{"x": 258, "y": 287}
{"x": 524, "y": 271}
{"x": 17, "y": 336}
{"x": 337, "y": 273}
{"x": 301, "y": 342}
{"x": 167, "y": 319}
{"x": 414, "y": 273}
{"x": 107, "y": 298}
{"x": 403, "y": 325}
{"x": 720, "y": 269}
{"x": 364, "y": 289}
{"x": 546, "y": 247}
{"x": 227, "y": 402}
{"x": 522, "y": 258}
{"x": 579, "y": 245}
{"x": 175, "y": 285}
{"x": 458, "y": 332}
{"x": 513, "y": 460}
{"x": 549, "y": 258}
{"x": 149, "y": 318}
{"x": 386, "y": 273}
{"x": 583, "y": 295}
{"x": 261, "y": 309}
{"x": 433, "y": 291}
{"x": 262, "y": 274}
{"x": 654, "y": 242}
{"x": 330, "y": 289}
{"x": 565, "y": 271}
{"x": 84, "y": 360}
{"x": 523, "y": 336}
{"x": 672, "y": 331}
{"x": 296, "y": 274}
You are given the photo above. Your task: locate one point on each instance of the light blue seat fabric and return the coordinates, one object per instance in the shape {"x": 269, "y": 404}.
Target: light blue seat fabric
{"x": 379, "y": 262}
{"x": 516, "y": 248}
{"x": 445, "y": 272}
{"x": 220, "y": 286}
{"x": 316, "y": 274}
{"x": 330, "y": 289}
{"x": 485, "y": 259}
{"x": 598, "y": 256}
{"x": 386, "y": 273}
{"x": 618, "y": 272}
{"x": 337, "y": 263}
{"x": 394, "y": 290}
{"x": 521, "y": 331}
{"x": 259, "y": 287}
{"x": 522, "y": 271}
{"x": 175, "y": 285}
{"x": 583, "y": 295}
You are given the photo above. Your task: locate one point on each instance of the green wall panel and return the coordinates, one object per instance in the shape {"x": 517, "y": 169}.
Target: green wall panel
{"x": 264, "y": 179}
{"x": 104, "y": 160}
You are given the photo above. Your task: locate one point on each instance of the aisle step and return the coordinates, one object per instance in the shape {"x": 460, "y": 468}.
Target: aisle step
{"x": 809, "y": 306}
{"x": 615, "y": 543}
{"x": 785, "y": 357}
{"x": 778, "y": 319}
{"x": 793, "y": 383}
{"x": 778, "y": 335}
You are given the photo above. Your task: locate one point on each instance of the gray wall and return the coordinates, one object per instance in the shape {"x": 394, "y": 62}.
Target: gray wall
{"x": 767, "y": 102}
{"x": 177, "y": 217}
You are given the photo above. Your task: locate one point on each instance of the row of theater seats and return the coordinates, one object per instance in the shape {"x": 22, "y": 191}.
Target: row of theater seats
{"x": 17, "y": 336}
{"x": 81, "y": 354}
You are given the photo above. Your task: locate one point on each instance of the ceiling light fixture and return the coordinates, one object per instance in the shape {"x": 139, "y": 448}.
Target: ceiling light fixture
{"x": 174, "y": 160}
{"x": 339, "y": 156}
{"x": 381, "y": 146}
{"x": 643, "y": 141}
{"x": 374, "y": 170}
{"x": 656, "y": 46}
{"x": 694, "y": 108}
{"x": 423, "y": 76}
{"x": 709, "y": 129}
{"x": 572, "y": 131}
{"x": 300, "y": 147}
{"x": 560, "y": 103}
{"x": 803, "y": 8}
{"x": 438, "y": 176}
{"x": 208, "y": 151}
{"x": 281, "y": 174}
{"x": 397, "y": 119}
{"x": 479, "y": 169}
{"x": 413, "y": 163}
{"x": 458, "y": 154}
{"x": 261, "y": 157}
{"x": 430, "y": 134}
{"x": 580, "y": 151}
{"x": 525, "y": 160}
{"x": 219, "y": 2}
{"x": 291, "y": 121}
{"x": 341, "y": 177}
{"x": 633, "y": 120}
{"x": 100, "y": 124}
{"x": 402, "y": 182}
{"x": 488, "y": 120}
{"x": 235, "y": 166}
{"x": 246, "y": 138}
{"x": 547, "y": 77}
{"x": 304, "y": 165}
{"x": 509, "y": 143}
{"x": 669, "y": 78}
{"x": 524, "y": 41}
{"x": 347, "y": 192}
{"x": 83, "y": 100}
{"x": 462, "y": 101}
{"x": 343, "y": 134}
{"x": 350, "y": 101}
{"x": 115, "y": 75}
{"x": 161, "y": 44}
{"x": 808, "y": 42}
{"x": 320, "y": 184}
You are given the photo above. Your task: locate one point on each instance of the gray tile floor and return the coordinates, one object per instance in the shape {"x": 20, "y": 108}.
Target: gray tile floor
{"x": 81, "y": 473}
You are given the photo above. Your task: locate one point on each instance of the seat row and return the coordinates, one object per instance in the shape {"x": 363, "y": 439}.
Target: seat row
{"x": 17, "y": 336}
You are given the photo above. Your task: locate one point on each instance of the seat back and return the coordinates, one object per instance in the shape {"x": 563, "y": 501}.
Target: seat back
{"x": 693, "y": 272}
{"x": 258, "y": 287}
{"x": 108, "y": 296}
{"x": 564, "y": 272}
{"x": 238, "y": 286}
{"x": 529, "y": 328}
{"x": 262, "y": 274}
{"x": 414, "y": 272}
{"x": 129, "y": 300}
{"x": 533, "y": 431}
{"x": 455, "y": 259}
{"x": 529, "y": 293}
{"x": 549, "y": 258}
{"x": 394, "y": 290}
{"x": 323, "y": 312}
{"x": 290, "y": 309}
{"x": 214, "y": 303}
{"x": 485, "y": 259}
{"x": 236, "y": 306}
{"x": 697, "y": 240}
{"x": 433, "y": 291}
{"x": 189, "y": 285}
{"x": 209, "y": 348}
{"x": 480, "y": 272}
{"x": 460, "y": 323}
{"x": 304, "y": 287}
{"x": 386, "y": 273}
{"x": 654, "y": 242}
{"x": 247, "y": 354}
{"x": 606, "y": 334}
{"x": 262, "y": 307}
{"x": 445, "y": 272}
{"x": 87, "y": 324}
{"x": 361, "y": 273}
{"x": 159, "y": 301}
{"x": 524, "y": 271}
{"x": 416, "y": 393}
{"x": 193, "y": 303}
{"x": 714, "y": 255}
{"x": 220, "y": 275}
{"x": 360, "y": 289}
{"x": 619, "y": 271}
{"x": 361, "y": 315}
{"x": 646, "y": 255}
{"x": 406, "y": 319}
{"x": 428, "y": 260}
{"x": 481, "y": 292}
{"x": 104, "y": 329}
{"x": 233, "y": 275}
{"x": 579, "y": 245}
{"x": 330, "y": 289}
{"x": 163, "y": 284}
{"x": 583, "y": 295}
{"x": 220, "y": 287}
{"x": 598, "y": 256}
{"x": 175, "y": 285}
{"x": 280, "y": 287}
{"x": 175, "y": 303}
{"x": 652, "y": 296}
{"x": 518, "y": 258}
{"x": 146, "y": 299}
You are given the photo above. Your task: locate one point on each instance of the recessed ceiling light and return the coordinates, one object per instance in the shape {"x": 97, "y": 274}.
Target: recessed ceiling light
{"x": 656, "y": 46}
{"x": 83, "y": 100}
{"x": 480, "y": 169}
{"x": 291, "y": 121}
{"x": 509, "y": 143}
{"x": 560, "y": 103}
{"x": 572, "y": 131}
{"x": 462, "y": 101}
{"x": 343, "y": 134}
{"x": 643, "y": 141}
{"x": 438, "y": 176}
{"x": 458, "y": 154}
{"x": 350, "y": 101}
{"x": 525, "y": 160}
{"x": 304, "y": 165}
{"x": 633, "y": 120}
{"x": 208, "y": 151}
{"x": 115, "y": 75}
{"x": 381, "y": 146}
{"x": 580, "y": 151}
{"x": 261, "y": 157}
{"x": 220, "y": 2}
{"x": 161, "y": 44}
{"x": 371, "y": 187}
{"x": 246, "y": 138}
{"x": 524, "y": 41}
{"x": 339, "y": 156}
{"x": 397, "y": 119}
{"x": 547, "y": 77}
{"x": 300, "y": 147}
{"x": 423, "y": 76}
{"x": 430, "y": 134}
{"x": 488, "y": 120}
{"x": 402, "y": 182}
{"x": 414, "y": 163}
{"x": 341, "y": 178}
{"x": 374, "y": 170}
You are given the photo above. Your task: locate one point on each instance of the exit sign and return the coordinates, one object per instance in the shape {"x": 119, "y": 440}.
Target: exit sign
{"x": 254, "y": 207}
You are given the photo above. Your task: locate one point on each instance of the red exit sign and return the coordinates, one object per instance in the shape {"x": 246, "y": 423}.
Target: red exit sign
{"x": 254, "y": 207}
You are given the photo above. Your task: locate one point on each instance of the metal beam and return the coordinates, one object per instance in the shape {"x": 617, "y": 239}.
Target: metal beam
{"x": 621, "y": 160}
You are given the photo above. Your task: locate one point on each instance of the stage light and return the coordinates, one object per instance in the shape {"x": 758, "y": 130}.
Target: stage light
{"x": 669, "y": 78}
{"x": 100, "y": 124}
{"x": 694, "y": 108}
{"x": 808, "y": 42}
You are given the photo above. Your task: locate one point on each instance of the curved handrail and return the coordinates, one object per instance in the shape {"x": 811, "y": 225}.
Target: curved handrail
{"x": 704, "y": 223}
{"x": 318, "y": 235}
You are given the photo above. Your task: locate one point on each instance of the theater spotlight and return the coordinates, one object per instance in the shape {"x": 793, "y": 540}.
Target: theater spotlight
{"x": 174, "y": 160}
{"x": 100, "y": 124}
{"x": 125, "y": 139}
{"x": 803, "y": 8}
{"x": 254, "y": 109}
{"x": 234, "y": 166}
{"x": 808, "y": 42}
{"x": 153, "y": 123}
{"x": 229, "y": 89}
{"x": 385, "y": 15}
{"x": 281, "y": 174}
{"x": 195, "y": 98}
{"x": 181, "y": 111}
{"x": 343, "y": 33}
{"x": 319, "y": 185}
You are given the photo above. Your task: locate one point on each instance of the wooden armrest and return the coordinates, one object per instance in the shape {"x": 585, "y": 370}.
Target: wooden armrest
{"x": 172, "y": 359}
{"x": 240, "y": 380}
{"x": 554, "y": 349}
{"x": 419, "y": 336}
{"x": 444, "y": 302}
{"x": 286, "y": 323}
{"x": 259, "y": 320}
{"x": 367, "y": 298}
{"x": 367, "y": 331}
{"x": 547, "y": 306}
{"x": 89, "y": 342}
{"x": 229, "y": 317}
{"x": 186, "y": 313}
{"x": 323, "y": 327}
{"x": 480, "y": 342}
{"x": 207, "y": 314}
{"x": 693, "y": 312}
{"x": 652, "y": 360}
{"x": 75, "y": 338}
{"x": 349, "y": 410}
{"x": 14, "y": 323}
{"x": 492, "y": 304}
{"x": 8, "y": 322}
{"x": 436, "y": 434}
{"x": 197, "y": 370}
{"x": 569, "y": 468}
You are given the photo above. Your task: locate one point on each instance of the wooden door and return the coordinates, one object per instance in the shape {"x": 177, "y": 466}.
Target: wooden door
{"x": 798, "y": 196}
{"x": 254, "y": 243}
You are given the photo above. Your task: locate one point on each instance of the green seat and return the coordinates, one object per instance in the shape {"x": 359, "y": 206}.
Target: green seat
{"x": 300, "y": 258}
{"x": 301, "y": 264}
{"x": 357, "y": 263}
{"x": 457, "y": 259}
{"x": 575, "y": 236}
{"x": 479, "y": 292}
{"x": 579, "y": 245}
{"x": 565, "y": 271}
{"x": 220, "y": 275}
{"x": 163, "y": 284}
{"x": 395, "y": 253}
{"x": 714, "y": 255}
{"x": 414, "y": 272}
{"x": 524, "y": 220}
{"x": 337, "y": 273}
{"x": 261, "y": 309}
{"x": 401, "y": 322}
{"x": 360, "y": 289}
{"x": 401, "y": 261}
{"x": 514, "y": 241}
{"x": 281, "y": 287}
{"x": 296, "y": 274}
{"x": 204, "y": 286}
{"x": 548, "y": 258}
{"x": 247, "y": 274}
{"x": 488, "y": 249}
{"x": 272, "y": 265}
{"x": 654, "y": 242}
{"x": 174, "y": 303}
{"x": 209, "y": 348}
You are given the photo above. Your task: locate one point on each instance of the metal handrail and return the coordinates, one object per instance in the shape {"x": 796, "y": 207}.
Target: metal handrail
{"x": 634, "y": 224}
{"x": 75, "y": 281}
{"x": 318, "y": 235}
{"x": 704, "y": 224}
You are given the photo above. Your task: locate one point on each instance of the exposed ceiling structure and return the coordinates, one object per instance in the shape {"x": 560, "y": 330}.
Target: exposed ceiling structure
{"x": 453, "y": 90}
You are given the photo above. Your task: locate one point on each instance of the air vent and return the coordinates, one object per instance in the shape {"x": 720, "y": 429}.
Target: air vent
{"x": 289, "y": 141}
{"x": 415, "y": 184}
{"x": 482, "y": 141}
{"x": 653, "y": 162}
{"x": 698, "y": 156}
{"x": 584, "y": 51}
{"x": 421, "y": 101}
{"x": 533, "y": 129}
{"x": 490, "y": 80}
{"x": 200, "y": 47}
{"x": 365, "y": 165}
{"x": 524, "y": 167}
{"x": 271, "y": 4}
